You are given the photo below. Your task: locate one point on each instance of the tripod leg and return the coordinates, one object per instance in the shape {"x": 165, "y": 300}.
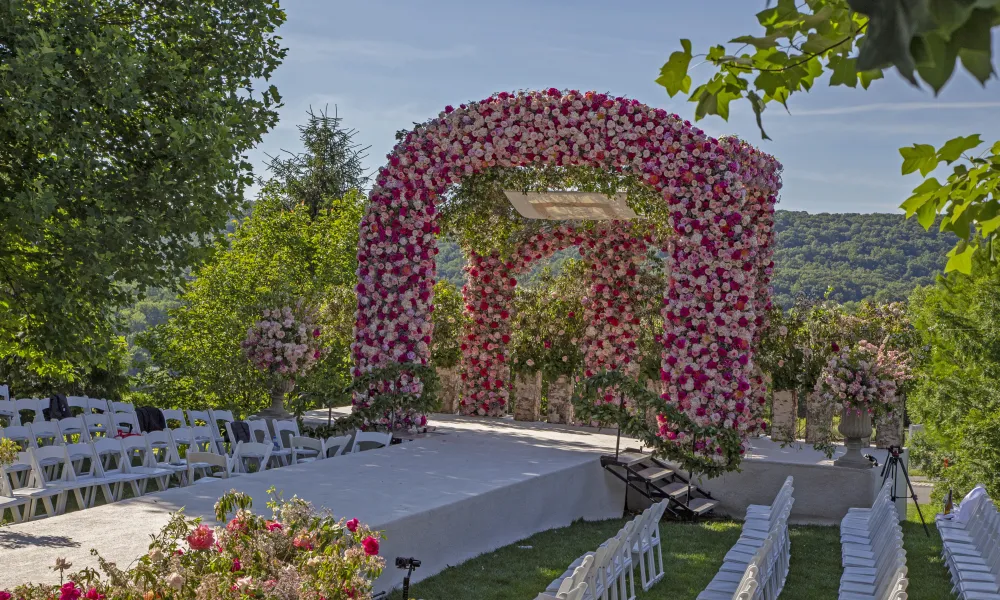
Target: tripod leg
{"x": 913, "y": 493}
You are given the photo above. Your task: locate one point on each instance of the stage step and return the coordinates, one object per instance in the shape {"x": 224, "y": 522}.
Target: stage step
{"x": 674, "y": 490}
{"x": 700, "y": 506}
{"x": 656, "y": 473}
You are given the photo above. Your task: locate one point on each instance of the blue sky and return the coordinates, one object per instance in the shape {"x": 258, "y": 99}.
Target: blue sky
{"x": 387, "y": 63}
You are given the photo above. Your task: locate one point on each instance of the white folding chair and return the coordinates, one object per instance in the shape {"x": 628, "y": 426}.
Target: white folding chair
{"x": 125, "y": 422}
{"x": 98, "y": 405}
{"x": 31, "y": 408}
{"x": 52, "y": 468}
{"x": 174, "y": 414}
{"x": 116, "y": 466}
{"x": 4, "y": 392}
{"x": 78, "y": 402}
{"x": 198, "y": 417}
{"x": 73, "y": 427}
{"x": 32, "y": 492}
{"x": 162, "y": 454}
{"x": 115, "y": 406}
{"x": 215, "y": 467}
{"x": 88, "y": 471}
{"x": 8, "y": 501}
{"x": 136, "y": 446}
{"x": 21, "y": 435}
{"x": 259, "y": 433}
{"x": 98, "y": 425}
{"x": 46, "y": 433}
{"x": 336, "y": 446}
{"x": 306, "y": 449}
{"x": 222, "y": 420}
{"x": 283, "y": 431}
{"x": 9, "y": 412}
{"x": 370, "y": 440}
{"x": 254, "y": 451}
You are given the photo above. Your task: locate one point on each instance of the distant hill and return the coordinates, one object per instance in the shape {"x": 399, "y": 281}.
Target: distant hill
{"x": 879, "y": 256}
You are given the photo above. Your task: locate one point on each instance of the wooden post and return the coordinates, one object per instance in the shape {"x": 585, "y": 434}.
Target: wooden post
{"x": 561, "y": 400}
{"x": 450, "y": 387}
{"x": 819, "y": 419}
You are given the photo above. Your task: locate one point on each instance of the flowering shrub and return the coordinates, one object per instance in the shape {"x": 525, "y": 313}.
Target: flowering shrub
{"x": 298, "y": 553}
{"x": 284, "y": 342}
{"x": 710, "y": 318}
{"x": 864, "y": 377}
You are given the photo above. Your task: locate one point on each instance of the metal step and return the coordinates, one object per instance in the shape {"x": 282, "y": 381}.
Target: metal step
{"x": 625, "y": 459}
{"x": 700, "y": 506}
{"x": 674, "y": 490}
{"x": 652, "y": 474}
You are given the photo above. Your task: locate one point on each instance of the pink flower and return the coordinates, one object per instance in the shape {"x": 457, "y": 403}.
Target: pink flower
{"x": 5, "y": 595}
{"x": 352, "y": 525}
{"x": 202, "y": 538}
{"x": 69, "y": 591}
{"x": 93, "y": 594}
{"x": 370, "y": 545}
{"x": 273, "y": 525}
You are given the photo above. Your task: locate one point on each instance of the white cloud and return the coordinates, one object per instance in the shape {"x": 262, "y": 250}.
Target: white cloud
{"x": 893, "y": 107}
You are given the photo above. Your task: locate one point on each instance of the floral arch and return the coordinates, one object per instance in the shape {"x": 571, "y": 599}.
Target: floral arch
{"x": 715, "y": 193}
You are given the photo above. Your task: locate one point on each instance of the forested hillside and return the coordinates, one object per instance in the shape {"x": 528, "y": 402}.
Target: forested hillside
{"x": 880, "y": 255}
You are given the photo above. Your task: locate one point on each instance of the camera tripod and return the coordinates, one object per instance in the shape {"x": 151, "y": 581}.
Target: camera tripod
{"x": 892, "y": 467}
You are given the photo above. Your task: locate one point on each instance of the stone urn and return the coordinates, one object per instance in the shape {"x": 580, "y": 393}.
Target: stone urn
{"x": 279, "y": 389}
{"x": 856, "y": 427}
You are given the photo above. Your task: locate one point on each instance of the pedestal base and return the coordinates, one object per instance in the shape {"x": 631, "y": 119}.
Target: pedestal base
{"x": 274, "y": 413}
{"x": 853, "y": 457}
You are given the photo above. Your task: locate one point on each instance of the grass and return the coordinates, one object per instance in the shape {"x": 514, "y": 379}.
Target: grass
{"x": 692, "y": 553}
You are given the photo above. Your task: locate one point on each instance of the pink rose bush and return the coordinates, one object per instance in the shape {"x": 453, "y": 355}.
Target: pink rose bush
{"x": 864, "y": 377}
{"x": 713, "y": 191}
{"x": 284, "y": 342}
{"x": 297, "y": 554}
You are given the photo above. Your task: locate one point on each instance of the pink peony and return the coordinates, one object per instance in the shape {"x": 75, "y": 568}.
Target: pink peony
{"x": 202, "y": 538}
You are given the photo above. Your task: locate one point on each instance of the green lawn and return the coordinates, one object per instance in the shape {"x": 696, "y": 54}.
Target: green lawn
{"x": 692, "y": 553}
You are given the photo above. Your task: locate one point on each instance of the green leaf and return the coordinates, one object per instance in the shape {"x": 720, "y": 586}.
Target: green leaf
{"x": 920, "y": 157}
{"x": 867, "y": 77}
{"x": 708, "y": 104}
{"x": 758, "y": 108}
{"x": 960, "y": 258}
{"x": 770, "y": 41}
{"x": 927, "y": 213}
{"x": 892, "y": 25}
{"x": 936, "y": 62}
{"x": 921, "y": 195}
{"x": 844, "y": 71}
{"x": 954, "y": 148}
{"x": 979, "y": 64}
{"x": 673, "y": 74}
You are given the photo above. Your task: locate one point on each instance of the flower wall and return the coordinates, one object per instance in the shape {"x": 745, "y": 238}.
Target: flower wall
{"x": 710, "y": 312}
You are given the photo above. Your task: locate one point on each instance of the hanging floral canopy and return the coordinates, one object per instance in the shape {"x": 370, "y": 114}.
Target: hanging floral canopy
{"x": 716, "y": 197}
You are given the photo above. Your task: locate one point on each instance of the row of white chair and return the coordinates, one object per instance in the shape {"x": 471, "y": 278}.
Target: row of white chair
{"x": 85, "y": 469}
{"x": 11, "y": 409}
{"x": 971, "y": 549}
{"x": 609, "y": 572}
{"x": 874, "y": 561}
{"x": 757, "y": 565}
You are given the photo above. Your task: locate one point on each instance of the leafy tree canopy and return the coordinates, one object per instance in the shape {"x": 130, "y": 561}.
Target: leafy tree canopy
{"x": 123, "y": 129}
{"x": 853, "y": 42}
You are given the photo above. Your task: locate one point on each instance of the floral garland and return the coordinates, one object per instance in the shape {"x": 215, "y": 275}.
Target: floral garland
{"x": 709, "y": 322}
{"x": 284, "y": 342}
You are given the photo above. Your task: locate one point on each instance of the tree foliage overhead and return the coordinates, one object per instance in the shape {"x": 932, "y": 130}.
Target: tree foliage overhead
{"x": 123, "y": 130}
{"x": 853, "y": 42}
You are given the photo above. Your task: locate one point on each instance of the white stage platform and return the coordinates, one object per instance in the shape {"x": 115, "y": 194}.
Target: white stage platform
{"x": 442, "y": 499}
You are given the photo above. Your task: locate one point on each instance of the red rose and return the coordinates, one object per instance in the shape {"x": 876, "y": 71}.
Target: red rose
{"x": 202, "y": 538}
{"x": 352, "y": 525}
{"x": 371, "y": 546}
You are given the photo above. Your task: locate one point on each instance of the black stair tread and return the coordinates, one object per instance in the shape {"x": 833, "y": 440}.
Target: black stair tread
{"x": 675, "y": 490}
{"x": 655, "y": 473}
{"x": 627, "y": 459}
{"x": 701, "y": 506}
